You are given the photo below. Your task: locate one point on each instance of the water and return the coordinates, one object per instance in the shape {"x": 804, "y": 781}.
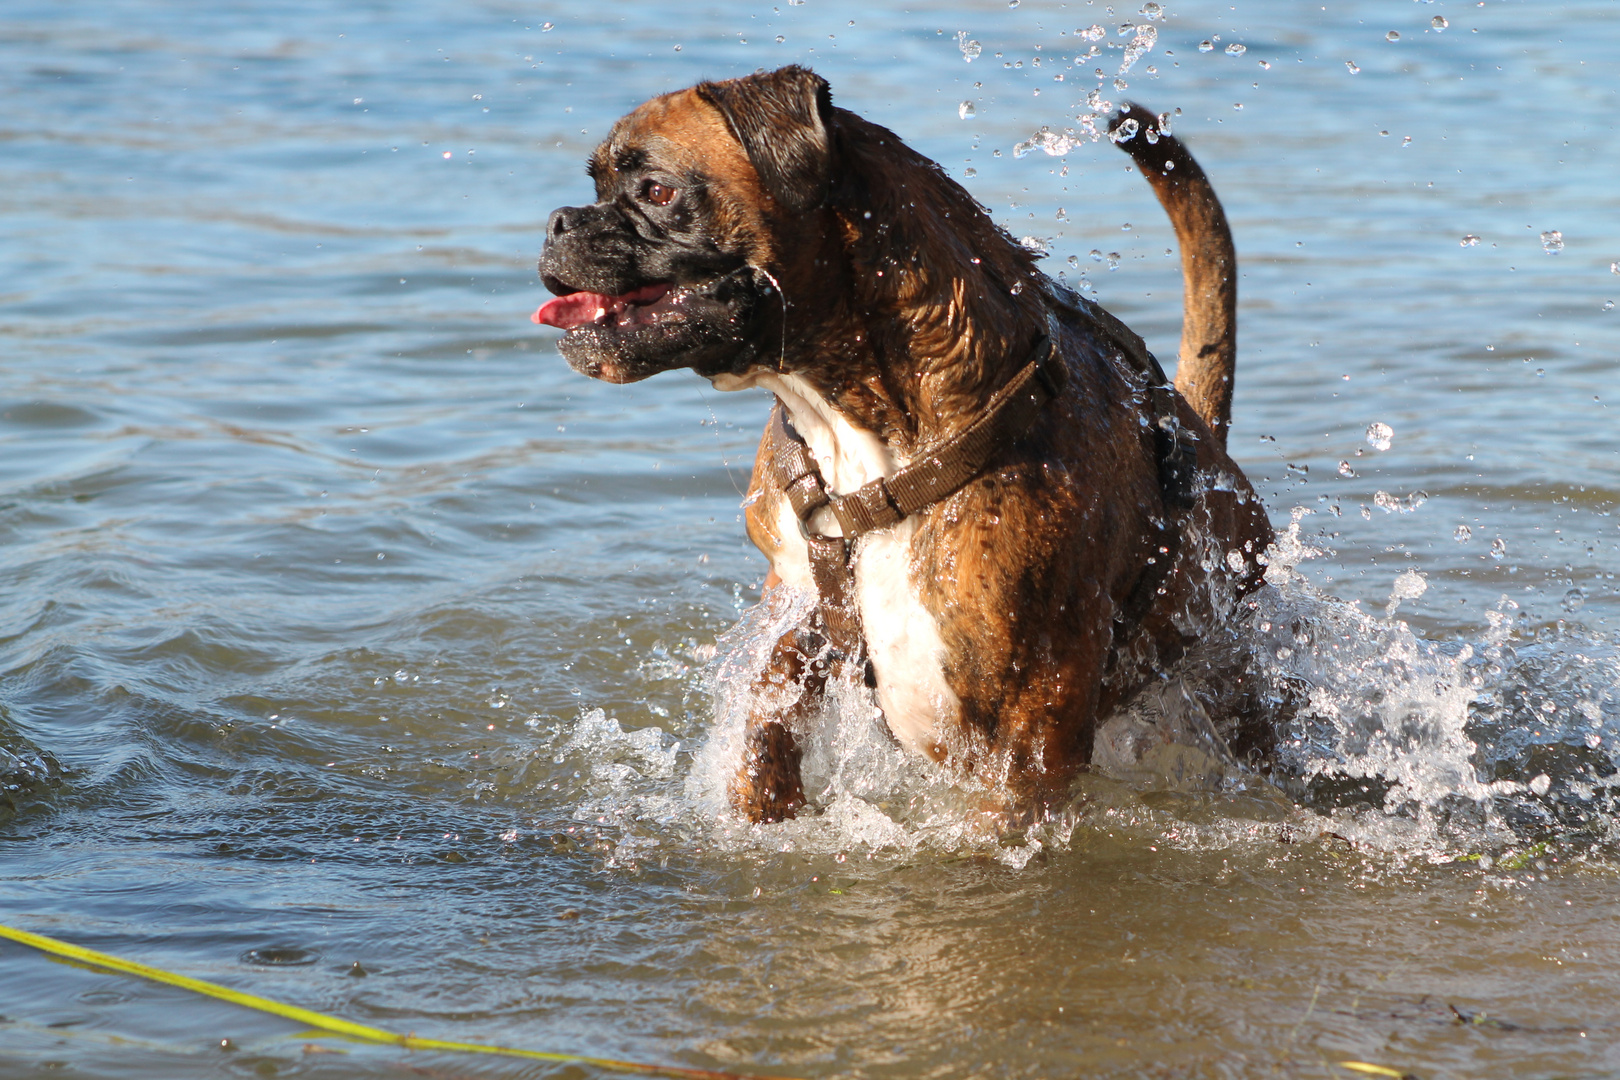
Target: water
{"x": 343, "y": 623}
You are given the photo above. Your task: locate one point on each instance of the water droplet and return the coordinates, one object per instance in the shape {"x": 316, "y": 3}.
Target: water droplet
{"x": 1541, "y": 784}
{"x": 1409, "y": 585}
{"x": 1552, "y": 241}
{"x": 970, "y": 171}
{"x": 1350, "y": 66}
{"x": 1266, "y": 64}
{"x": 1470, "y": 240}
{"x": 1096, "y": 255}
{"x": 970, "y": 49}
{"x": 1235, "y": 49}
{"x": 1498, "y": 549}
{"x": 1345, "y": 470}
{"x": 1379, "y": 435}
{"x": 966, "y": 110}
{"x": 1126, "y": 131}
{"x": 1614, "y": 268}
{"x": 1439, "y": 23}
{"x": 1593, "y": 740}
{"x": 1113, "y": 260}
{"x": 545, "y": 28}
{"x": 1139, "y": 45}
{"x": 1463, "y": 534}
{"x": 1074, "y": 262}
{"x": 1037, "y": 245}
{"x": 1608, "y": 305}
{"x": 1573, "y": 600}
{"x": 1092, "y": 33}
{"x": 1152, "y": 11}
{"x": 1206, "y": 46}
{"x": 1393, "y": 35}
{"x": 780, "y": 38}
{"x": 1017, "y": 287}
{"x": 1014, "y": 3}
{"x": 1235, "y": 560}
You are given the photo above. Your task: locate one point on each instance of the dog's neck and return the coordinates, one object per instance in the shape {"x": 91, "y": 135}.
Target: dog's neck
{"x": 938, "y": 307}
{"x": 906, "y": 308}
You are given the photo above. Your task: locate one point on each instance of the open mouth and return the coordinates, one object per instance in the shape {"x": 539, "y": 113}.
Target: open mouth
{"x": 638, "y": 307}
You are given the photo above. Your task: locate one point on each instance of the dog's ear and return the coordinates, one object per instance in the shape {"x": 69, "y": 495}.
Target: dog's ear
{"x": 781, "y": 119}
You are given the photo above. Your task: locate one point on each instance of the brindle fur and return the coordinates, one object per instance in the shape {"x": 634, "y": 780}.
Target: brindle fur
{"x": 905, "y": 306}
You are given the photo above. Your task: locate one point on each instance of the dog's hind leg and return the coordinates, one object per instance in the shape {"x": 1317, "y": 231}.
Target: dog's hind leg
{"x": 767, "y": 786}
{"x": 1208, "y": 356}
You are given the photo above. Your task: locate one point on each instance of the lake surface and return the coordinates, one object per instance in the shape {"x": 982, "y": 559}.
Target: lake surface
{"x": 340, "y": 622}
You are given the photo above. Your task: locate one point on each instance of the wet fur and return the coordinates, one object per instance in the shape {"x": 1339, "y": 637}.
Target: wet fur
{"x": 902, "y": 308}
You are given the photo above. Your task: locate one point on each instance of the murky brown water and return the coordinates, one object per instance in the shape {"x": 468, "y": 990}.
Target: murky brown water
{"x": 342, "y": 623}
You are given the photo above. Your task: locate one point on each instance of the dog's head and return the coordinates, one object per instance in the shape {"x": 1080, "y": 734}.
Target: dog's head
{"x": 676, "y": 263}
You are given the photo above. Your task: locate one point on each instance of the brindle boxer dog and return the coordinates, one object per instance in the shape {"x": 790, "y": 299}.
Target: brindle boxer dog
{"x": 1009, "y": 519}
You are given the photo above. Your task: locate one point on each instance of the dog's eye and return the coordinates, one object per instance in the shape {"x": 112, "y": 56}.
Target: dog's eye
{"x": 658, "y": 194}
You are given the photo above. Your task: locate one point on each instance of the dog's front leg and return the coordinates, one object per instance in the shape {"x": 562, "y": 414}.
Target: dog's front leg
{"x": 768, "y": 786}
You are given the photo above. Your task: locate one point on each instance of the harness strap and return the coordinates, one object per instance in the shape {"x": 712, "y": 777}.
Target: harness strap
{"x": 937, "y": 473}
{"x": 887, "y": 501}
{"x": 837, "y": 617}
{"x": 944, "y": 469}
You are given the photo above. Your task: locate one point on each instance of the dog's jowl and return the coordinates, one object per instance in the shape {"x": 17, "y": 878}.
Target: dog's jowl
{"x": 1009, "y": 519}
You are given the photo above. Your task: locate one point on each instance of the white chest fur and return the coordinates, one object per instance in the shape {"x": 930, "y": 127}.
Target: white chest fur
{"x": 902, "y": 638}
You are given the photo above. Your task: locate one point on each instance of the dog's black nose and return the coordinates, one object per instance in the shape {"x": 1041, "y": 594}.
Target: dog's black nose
{"x": 563, "y": 220}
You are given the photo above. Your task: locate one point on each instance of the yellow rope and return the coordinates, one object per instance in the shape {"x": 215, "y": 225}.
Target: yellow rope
{"x": 335, "y": 1025}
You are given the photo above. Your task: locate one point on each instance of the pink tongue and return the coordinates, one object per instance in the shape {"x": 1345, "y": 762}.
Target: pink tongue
{"x": 577, "y": 309}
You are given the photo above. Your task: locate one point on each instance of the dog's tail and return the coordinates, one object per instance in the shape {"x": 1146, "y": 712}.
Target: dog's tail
{"x": 1208, "y": 261}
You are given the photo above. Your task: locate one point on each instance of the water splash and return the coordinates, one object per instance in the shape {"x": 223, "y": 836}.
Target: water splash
{"x": 1141, "y": 43}
{"x": 1053, "y": 143}
{"x": 1409, "y": 585}
{"x": 1435, "y": 750}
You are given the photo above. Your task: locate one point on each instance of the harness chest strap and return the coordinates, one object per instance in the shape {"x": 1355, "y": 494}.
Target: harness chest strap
{"x": 886, "y": 501}
{"x": 944, "y": 469}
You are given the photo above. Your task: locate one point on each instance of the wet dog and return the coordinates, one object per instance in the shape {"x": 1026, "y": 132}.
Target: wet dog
{"x": 1009, "y": 519}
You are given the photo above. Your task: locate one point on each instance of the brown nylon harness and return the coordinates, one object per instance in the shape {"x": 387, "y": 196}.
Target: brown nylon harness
{"x": 948, "y": 467}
